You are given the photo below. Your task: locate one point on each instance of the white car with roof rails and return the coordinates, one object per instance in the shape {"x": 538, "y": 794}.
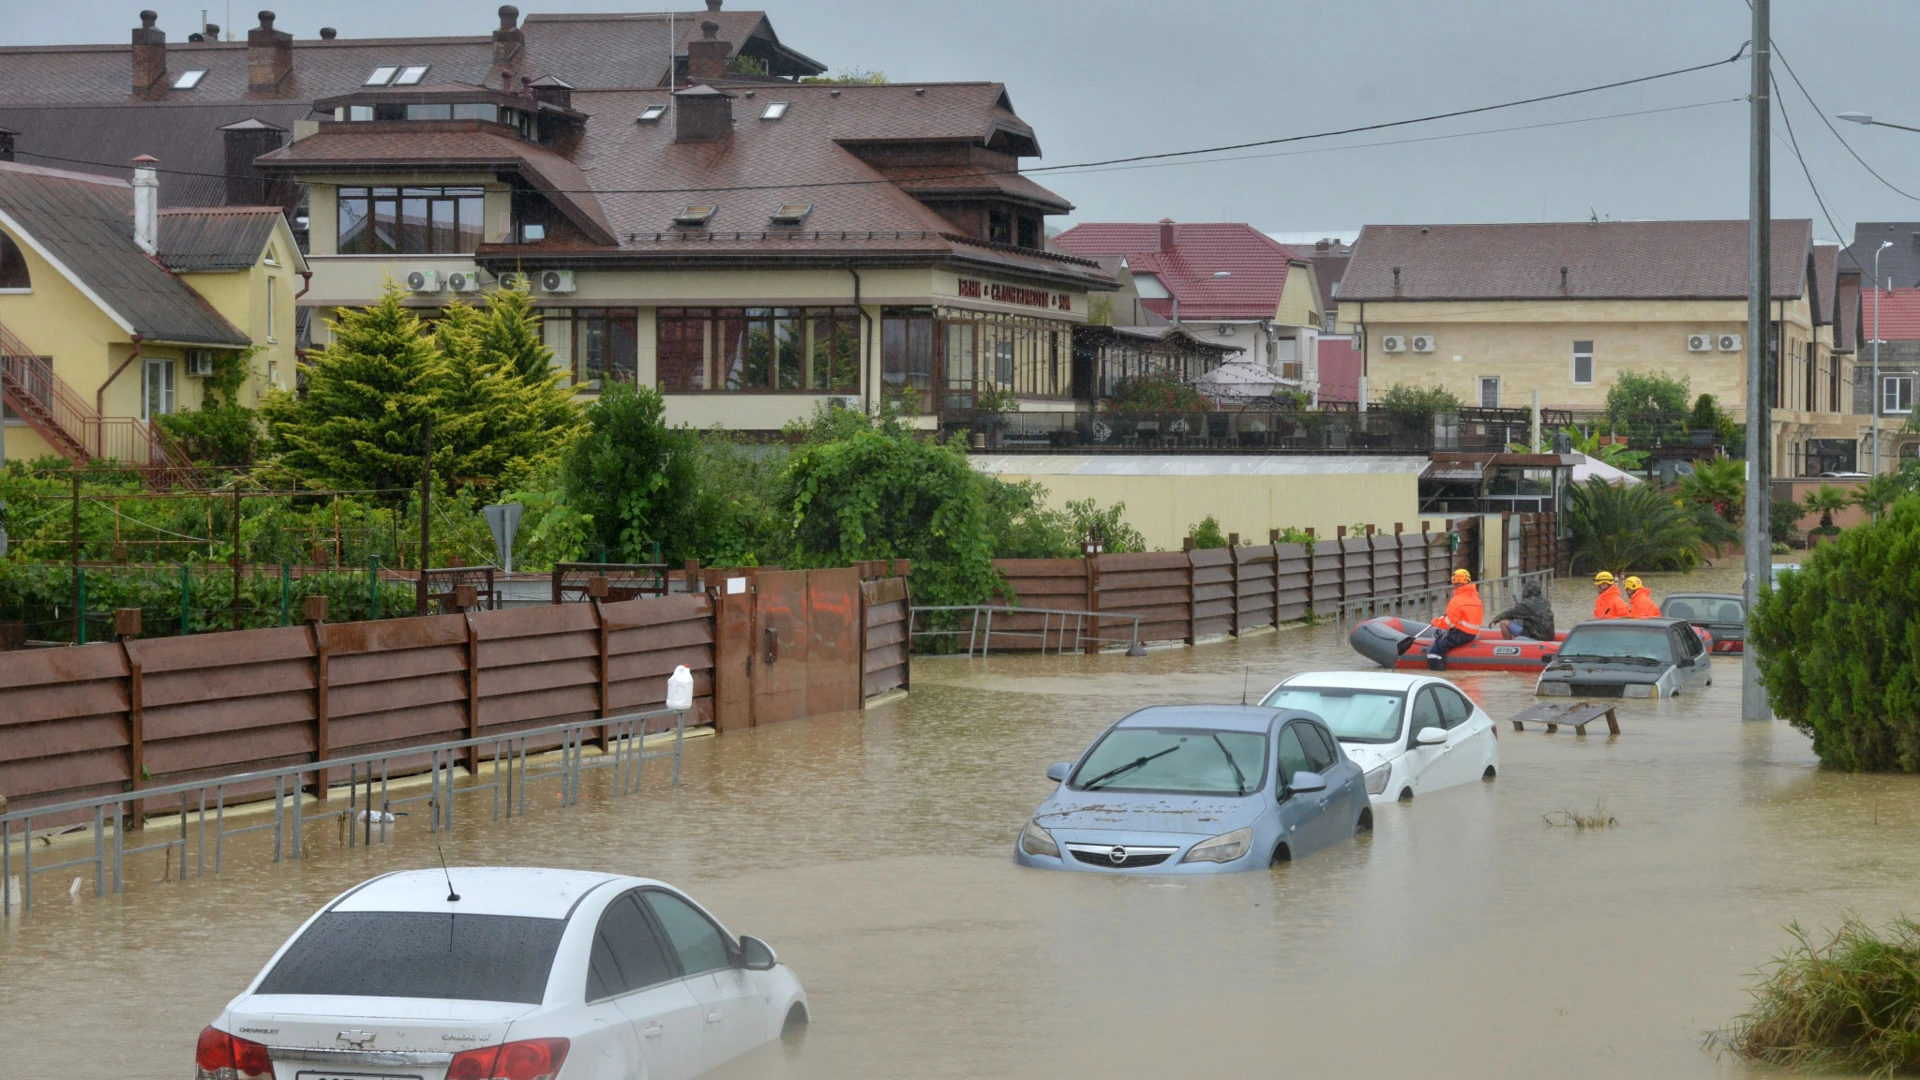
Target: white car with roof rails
{"x": 1410, "y": 734}
{"x": 498, "y": 973}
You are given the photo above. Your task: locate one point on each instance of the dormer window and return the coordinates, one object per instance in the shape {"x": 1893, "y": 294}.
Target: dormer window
{"x": 189, "y": 79}
{"x": 652, "y": 114}
{"x": 694, "y": 217}
{"x": 791, "y": 214}
{"x": 411, "y": 75}
{"x": 775, "y": 110}
{"x": 381, "y": 76}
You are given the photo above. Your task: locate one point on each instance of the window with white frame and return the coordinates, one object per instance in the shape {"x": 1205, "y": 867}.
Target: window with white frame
{"x": 1490, "y": 392}
{"x": 1583, "y": 363}
{"x": 157, "y": 397}
{"x": 1896, "y": 394}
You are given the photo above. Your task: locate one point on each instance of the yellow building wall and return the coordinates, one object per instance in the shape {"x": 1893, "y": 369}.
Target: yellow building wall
{"x": 260, "y": 301}
{"x": 1300, "y": 298}
{"x": 1165, "y": 507}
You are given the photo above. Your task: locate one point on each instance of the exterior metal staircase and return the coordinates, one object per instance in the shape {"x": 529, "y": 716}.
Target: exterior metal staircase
{"x": 64, "y": 419}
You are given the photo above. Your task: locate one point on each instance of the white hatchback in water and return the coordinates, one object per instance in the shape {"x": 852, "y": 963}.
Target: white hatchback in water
{"x": 1410, "y": 734}
{"x": 504, "y": 974}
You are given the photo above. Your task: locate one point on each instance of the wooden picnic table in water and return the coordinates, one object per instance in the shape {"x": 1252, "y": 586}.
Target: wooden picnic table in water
{"x": 1574, "y": 714}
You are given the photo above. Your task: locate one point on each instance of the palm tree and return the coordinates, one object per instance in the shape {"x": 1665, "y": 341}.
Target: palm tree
{"x": 1824, "y": 502}
{"x": 1631, "y": 526}
{"x": 1721, "y": 484}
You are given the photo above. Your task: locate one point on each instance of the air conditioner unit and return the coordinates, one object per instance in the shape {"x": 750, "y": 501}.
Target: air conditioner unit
{"x": 1393, "y": 343}
{"x": 1729, "y": 342}
{"x": 1423, "y": 343}
{"x": 845, "y": 401}
{"x": 423, "y": 281}
{"x": 556, "y": 281}
{"x": 1699, "y": 342}
{"x": 464, "y": 281}
{"x": 512, "y": 279}
{"x": 200, "y": 363}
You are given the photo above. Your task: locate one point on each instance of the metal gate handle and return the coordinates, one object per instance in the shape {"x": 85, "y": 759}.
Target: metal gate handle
{"x": 773, "y": 645}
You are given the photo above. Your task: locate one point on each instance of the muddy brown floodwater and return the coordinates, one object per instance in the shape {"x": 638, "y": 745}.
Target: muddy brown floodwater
{"x": 1464, "y": 938}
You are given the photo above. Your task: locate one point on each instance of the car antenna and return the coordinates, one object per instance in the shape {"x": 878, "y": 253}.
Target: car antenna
{"x": 1245, "y": 676}
{"x": 452, "y": 897}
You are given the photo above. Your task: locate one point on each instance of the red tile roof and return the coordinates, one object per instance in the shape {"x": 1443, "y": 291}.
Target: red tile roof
{"x": 1899, "y": 314}
{"x": 1607, "y": 260}
{"x": 1257, "y": 263}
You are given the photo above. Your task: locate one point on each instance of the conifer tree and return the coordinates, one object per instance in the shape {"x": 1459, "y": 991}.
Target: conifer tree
{"x": 484, "y": 425}
{"x": 510, "y": 336}
{"x": 359, "y": 425}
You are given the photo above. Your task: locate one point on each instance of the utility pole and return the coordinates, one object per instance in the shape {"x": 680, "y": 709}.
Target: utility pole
{"x": 426, "y": 524}
{"x": 1759, "y": 538}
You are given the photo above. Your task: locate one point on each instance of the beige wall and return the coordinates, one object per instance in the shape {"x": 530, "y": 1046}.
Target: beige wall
{"x": 1300, "y": 298}
{"x": 1164, "y": 507}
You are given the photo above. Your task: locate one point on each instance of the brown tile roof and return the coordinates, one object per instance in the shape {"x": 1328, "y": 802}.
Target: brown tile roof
{"x": 975, "y": 181}
{"x": 1608, "y": 260}
{"x": 452, "y": 144}
{"x": 1846, "y": 327}
{"x": 86, "y": 223}
{"x": 215, "y": 238}
{"x": 104, "y": 139}
{"x": 1256, "y": 263}
{"x": 1826, "y": 259}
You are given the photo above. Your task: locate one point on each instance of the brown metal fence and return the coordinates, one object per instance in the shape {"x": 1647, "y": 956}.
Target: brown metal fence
{"x": 1191, "y": 595}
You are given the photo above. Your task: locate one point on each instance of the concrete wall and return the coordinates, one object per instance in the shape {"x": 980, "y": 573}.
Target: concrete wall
{"x": 1165, "y": 496}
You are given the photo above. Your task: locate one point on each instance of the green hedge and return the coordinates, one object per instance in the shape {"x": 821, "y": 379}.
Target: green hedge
{"x": 1839, "y": 646}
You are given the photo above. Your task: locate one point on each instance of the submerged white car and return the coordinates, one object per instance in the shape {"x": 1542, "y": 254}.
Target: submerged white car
{"x": 1410, "y": 734}
{"x": 504, "y": 974}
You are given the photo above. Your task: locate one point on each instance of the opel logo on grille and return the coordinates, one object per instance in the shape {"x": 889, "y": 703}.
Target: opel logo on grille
{"x": 1118, "y": 855}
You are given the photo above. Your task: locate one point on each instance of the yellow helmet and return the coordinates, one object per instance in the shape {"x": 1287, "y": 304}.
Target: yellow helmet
{"x": 1461, "y": 575}
{"x": 1633, "y": 584}
{"x": 1604, "y": 577}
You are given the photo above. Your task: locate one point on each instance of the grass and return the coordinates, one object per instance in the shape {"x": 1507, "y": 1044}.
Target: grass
{"x": 1597, "y": 818}
{"x": 1851, "y": 1003}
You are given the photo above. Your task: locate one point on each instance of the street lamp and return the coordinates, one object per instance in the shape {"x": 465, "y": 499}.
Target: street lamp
{"x": 1874, "y": 400}
{"x": 1867, "y": 120}
{"x": 1217, "y": 275}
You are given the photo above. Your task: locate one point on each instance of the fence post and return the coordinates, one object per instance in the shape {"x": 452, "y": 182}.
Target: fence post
{"x": 473, "y": 701}
{"x": 1091, "y": 562}
{"x": 136, "y": 736}
{"x": 600, "y": 632}
{"x": 322, "y": 736}
{"x": 1233, "y": 582}
{"x": 1193, "y": 606}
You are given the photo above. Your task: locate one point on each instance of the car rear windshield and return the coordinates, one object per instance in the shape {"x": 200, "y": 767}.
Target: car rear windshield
{"x": 1367, "y": 716}
{"x": 419, "y": 954}
{"x": 1707, "y": 609}
{"x": 1191, "y": 761}
{"x": 1647, "y": 642}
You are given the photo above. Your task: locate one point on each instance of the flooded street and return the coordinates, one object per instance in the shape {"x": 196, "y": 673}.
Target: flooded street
{"x": 1464, "y": 938}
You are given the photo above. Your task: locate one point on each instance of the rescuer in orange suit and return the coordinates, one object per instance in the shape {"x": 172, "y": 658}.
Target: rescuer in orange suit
{"x": 1640, "y": 603}
{"x": 1460, "y": 624}
{"x": 1610, "y": 605}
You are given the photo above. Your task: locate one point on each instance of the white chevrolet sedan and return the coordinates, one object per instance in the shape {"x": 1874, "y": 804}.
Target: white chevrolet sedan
{"x": 1410, "y": 734}
{"x": 497, "y": 973}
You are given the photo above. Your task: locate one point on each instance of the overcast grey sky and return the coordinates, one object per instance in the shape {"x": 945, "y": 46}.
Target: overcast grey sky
{"x": 1109, "y": 78}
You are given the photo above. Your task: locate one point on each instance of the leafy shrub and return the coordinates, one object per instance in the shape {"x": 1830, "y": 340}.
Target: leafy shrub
{"x": 214, "y": 434}
{"x": 1839, "y": 647}
{"x": 1415, "y": 406}
{"x": 1648, "y": 406}
{"x": 1632, "y": 525}
{"x": 1784, "y": 520}
{"x": 1720, "y": 484}
{"x": 1157, "y": 392}
{"x": 1850, "y": 1004}
{"x": 633, "y": 477}
{"x": 1207, "y": 534}
{"x": 1084, "y": 518}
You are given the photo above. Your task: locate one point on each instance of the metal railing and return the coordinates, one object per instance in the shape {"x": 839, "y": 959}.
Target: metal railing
{"x": 361, "y": 821}
{"x": 986, "y": 612}
{"x": 1496, "y": 594}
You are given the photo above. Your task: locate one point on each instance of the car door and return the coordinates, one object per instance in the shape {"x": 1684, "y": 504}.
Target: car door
{"x": 1467, "y": 750}
{"x": 1694, "y": 660}
{"x": 1339, "y": 809}
{"x": 730, "y": 1004}
{"x": 1298, "y": 812}
{"x": 1424, "y": 763}
{"x": 630, "y": 972}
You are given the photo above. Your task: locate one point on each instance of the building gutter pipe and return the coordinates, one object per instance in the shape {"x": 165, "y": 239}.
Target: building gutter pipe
{"x": 866, "y": 351}
{"x": 100, "y": 395}
{"x": 306, "y": 282}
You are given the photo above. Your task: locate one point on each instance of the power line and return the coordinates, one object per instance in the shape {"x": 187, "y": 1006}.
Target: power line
{"x": 1102, "y": 164}
{"x": 1793, "y": 142}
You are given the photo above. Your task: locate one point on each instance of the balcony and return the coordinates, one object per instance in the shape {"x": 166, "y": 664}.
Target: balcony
{"x": 1246, "y": 431}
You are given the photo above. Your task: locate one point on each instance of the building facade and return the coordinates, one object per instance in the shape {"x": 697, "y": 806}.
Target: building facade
{"x": 1499, "y": 313}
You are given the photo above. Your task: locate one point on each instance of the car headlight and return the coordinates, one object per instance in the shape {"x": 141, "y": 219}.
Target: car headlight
{"x": 1035, "y": 840}
{"x": 1223, "y": 848}
{"x": 1377, "y": 778}
{"x": 1556, "y": 689}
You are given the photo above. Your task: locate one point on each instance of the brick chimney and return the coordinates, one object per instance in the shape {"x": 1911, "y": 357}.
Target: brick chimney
{"x": 713, "y": 5}
{"x": 508, "y": 39}
{"x": 1166, "y": 234}
{"x": 704, "y": 115}
{"x": 149, "y": 53}
{"x": 269, "y": 55}
{"x": 146, "y": 204}
{"x": 707, "y": 56}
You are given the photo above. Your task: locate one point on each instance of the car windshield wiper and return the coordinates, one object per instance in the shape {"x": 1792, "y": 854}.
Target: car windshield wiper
{"x": 1581, "y": 658}
{"x": 1642, "y": 660}
{"x": 1239, "y": 778}
{"x": 1127, "y": 768}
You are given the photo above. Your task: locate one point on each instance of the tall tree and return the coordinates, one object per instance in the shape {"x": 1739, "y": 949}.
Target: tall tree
{"x": 360, "y": 424}
{"x": 485, "y": 427}
{"x": 633, "y": 475}
{"x": 510, "y": 337}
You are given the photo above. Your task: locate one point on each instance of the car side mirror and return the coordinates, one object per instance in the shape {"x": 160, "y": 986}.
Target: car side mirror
{"x": 1305, "y": 783}
{"x": 756, "y": 955}
{"x": 1430, "y": 736}
{"x": 1058, "y": 771}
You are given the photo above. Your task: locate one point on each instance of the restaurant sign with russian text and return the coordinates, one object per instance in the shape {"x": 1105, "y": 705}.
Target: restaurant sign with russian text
{"x": 1018, "y": 295}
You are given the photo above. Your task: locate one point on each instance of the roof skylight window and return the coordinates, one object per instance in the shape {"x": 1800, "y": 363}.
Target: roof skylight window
{"x": 792, "y": 213}
{"x": 381, "y": 76}
{"x": 652, "y": 113}
{"x": 775, "y": 110}
{"x": 189, "y": 79}
{"x": 411, "y": 75}
{"x": 694, "y": 217}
